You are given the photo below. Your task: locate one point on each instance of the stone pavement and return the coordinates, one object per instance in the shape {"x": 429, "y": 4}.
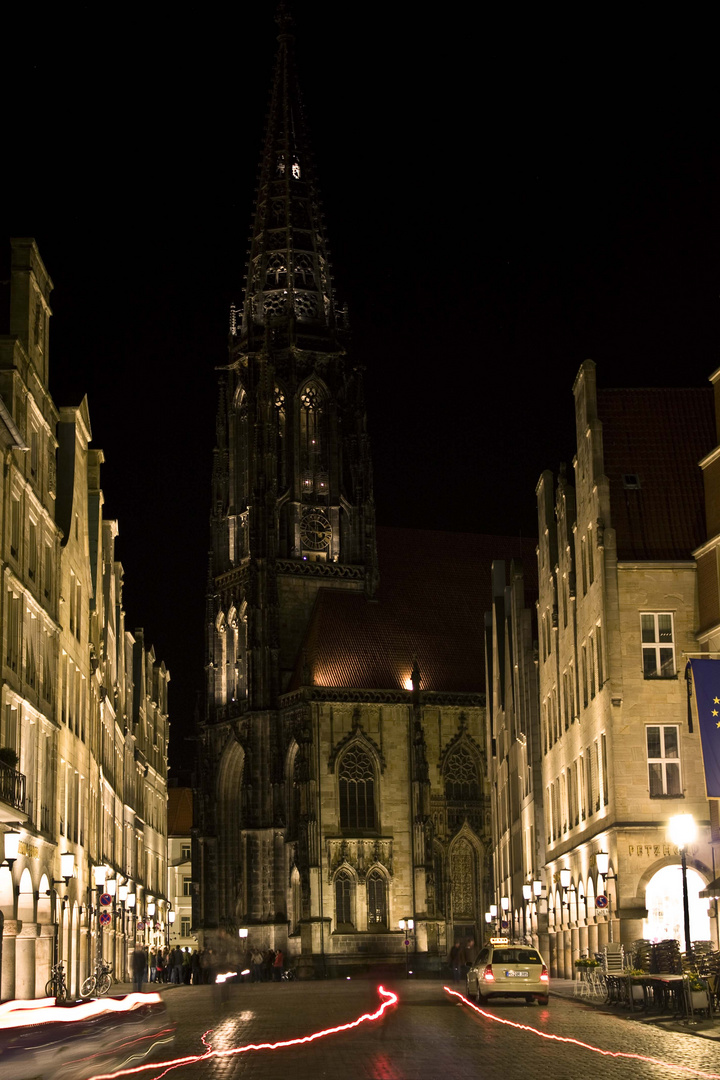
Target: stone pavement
{"x": 426, "y": 1036}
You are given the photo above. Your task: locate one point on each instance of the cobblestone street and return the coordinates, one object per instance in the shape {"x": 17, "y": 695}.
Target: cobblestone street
{"x": 426, "y": 1036}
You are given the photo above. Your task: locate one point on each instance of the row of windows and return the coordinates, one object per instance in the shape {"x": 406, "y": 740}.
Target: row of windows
{"x": 658, "y": 662}
{"x": 558, "y": 716}
{"x": 580, "y": 791}
{"x": 33, "y": 548}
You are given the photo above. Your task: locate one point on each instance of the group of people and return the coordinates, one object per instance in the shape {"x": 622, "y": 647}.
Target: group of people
{"x": 181, "y": 966}
{"x": 171, "y": 966}
{"x": 265, "y": 965}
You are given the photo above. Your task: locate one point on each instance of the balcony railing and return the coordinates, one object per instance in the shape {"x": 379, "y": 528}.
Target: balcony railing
{"x": 12, "y": 787}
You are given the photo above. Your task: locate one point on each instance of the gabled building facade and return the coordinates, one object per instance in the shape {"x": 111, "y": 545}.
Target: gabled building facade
{"x": 84, "y": 727}
{"x": 514, "y": 754}
{"x": 617, "y": 616}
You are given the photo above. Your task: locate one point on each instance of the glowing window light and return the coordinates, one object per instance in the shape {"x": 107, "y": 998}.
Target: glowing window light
{"x": 577, "y": 1042}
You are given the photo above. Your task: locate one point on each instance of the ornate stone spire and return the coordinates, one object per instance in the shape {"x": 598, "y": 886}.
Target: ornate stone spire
{"x": 288, "y": 285}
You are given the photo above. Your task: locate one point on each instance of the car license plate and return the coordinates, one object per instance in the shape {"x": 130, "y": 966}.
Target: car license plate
{"x": 517, "y": 974}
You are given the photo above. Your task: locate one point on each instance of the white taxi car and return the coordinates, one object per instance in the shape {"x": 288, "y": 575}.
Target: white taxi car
{"x": 506, "y": 970}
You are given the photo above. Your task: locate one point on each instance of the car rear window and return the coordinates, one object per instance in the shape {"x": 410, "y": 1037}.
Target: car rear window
{"x": 516, "y": 956}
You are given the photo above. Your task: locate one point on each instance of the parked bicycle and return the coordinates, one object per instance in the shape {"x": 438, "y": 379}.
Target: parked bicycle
{"x": 56, "y": 986}
{"x": 99, "y": 982}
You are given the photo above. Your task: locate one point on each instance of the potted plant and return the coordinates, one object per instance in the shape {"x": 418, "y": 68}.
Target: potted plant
{"x": 8, "y": 757}
{"x": 697, "y": 989}
{"x": 637, "y": 991}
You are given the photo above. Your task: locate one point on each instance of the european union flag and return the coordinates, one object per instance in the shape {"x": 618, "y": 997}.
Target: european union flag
{"x": 706, "y": 679}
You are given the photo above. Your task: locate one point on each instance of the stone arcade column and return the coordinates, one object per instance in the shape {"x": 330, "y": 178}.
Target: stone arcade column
{"x": 566, "y": 958}
{"x": 43, "y": 957}
{"x": 25, "y": 950}
{"x": 592, "y": 939}
{"x": 11, "y": 929}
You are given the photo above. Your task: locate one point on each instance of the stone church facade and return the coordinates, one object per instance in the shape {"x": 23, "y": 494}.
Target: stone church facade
{"x": 342, "y": 778}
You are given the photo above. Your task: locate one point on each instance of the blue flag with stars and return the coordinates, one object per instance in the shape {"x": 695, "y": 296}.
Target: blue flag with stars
{"x": 706, "y": 680}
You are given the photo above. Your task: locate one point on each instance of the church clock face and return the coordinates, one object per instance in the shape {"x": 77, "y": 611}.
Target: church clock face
{"x": 315, "y": 531}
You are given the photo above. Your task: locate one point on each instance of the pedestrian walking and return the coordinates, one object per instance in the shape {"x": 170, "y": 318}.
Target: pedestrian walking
{"x": 268, "y": 965}
{"x": 278, "y": 965}
{"x": 195, "y": 966}
{"x": 138, "y": 967}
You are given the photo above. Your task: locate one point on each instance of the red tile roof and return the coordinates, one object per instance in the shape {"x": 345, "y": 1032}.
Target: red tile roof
{"x": 659, "y": 436}
{"x": 434, "y": 591}
{"x": 180, "y": 811}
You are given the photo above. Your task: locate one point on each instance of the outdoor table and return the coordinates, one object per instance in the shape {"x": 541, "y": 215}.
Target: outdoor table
{"x": 668, "y": 990}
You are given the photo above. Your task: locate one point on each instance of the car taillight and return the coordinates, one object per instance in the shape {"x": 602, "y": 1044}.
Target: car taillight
{"x": 544, "y": 977}
{"x": 488, "y": 974}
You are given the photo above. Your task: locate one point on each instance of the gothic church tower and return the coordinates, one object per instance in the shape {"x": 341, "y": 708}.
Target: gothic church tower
{"x": 292, "y": 512}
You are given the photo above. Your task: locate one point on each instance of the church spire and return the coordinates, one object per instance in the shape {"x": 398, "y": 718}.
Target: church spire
{"x": 288, "y": 285}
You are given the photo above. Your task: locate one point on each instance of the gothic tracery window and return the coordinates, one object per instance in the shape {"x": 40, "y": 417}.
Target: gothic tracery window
{"x": 376, "y": 900}
{"x": 357, "y": 790}
{"x": 313, "y": 441}
{"x": 344, "y": 889}
{"x": 463, "y": 880}
{"x": 276, "y": 273}
{"x": 461, "y": 777}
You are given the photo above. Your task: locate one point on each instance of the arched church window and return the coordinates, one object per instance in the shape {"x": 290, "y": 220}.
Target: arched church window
{"x": 295, "y": 169}
{"x": 304, "y": 276}
{"x": 280, "y": 165}
{"x": 376, "y": 900}
{"x": 296, "y": 901}
{"x": 344, "y": 889}
{"x": 276, "y": 273}
{"x": 461, "y": 777}
{"x": 357, "y": 790}
{"x": 463, "y": 880}
{"x": 313, "y": 441}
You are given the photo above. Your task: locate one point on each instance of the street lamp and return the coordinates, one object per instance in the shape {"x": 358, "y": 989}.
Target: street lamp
{"x": 131, "y": 902}
{"x": 527, "y": 896}
{"x": 150, "y": 915}
{"x": 11, "y": 841}
{"x": 122, "y": 894}
{"x": 407, "y": 924}
{"x": 602, "y": 861}
{"x": 683, "y": 831}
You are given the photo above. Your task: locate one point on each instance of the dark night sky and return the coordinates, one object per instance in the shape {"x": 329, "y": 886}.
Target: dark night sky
{"x": 504, "y": 199}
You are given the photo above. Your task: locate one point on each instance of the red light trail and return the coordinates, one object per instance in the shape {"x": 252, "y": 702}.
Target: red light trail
{"x": 578, "y": 1042}
{"x": 390, "y": 999}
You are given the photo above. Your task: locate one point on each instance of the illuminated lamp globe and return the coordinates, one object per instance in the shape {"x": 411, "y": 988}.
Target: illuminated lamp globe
{"x": 682, "y": 829}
